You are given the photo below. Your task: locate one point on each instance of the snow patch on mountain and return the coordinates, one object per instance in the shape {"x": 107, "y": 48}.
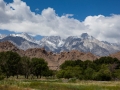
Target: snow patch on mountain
{"x": 83, "y": 42}
{"x": 25, "y": 36}
{"x": 2, "y": 36}
{"x": 52, "y": 42}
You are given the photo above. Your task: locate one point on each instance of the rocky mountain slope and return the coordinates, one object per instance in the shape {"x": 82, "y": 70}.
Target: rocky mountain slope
{"x": 116, "y": 55}
{"x": 8, "y": 46}
{"x": 54, "y": 60}
{"x": 20, "y": 42}
{"x": 84, "y": 43}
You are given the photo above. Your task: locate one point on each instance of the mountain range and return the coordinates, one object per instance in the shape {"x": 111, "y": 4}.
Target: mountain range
{"x": 54, "y": 60}
{"x": 56, "y": 44}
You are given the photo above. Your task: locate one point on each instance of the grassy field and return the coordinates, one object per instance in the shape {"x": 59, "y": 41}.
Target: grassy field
{"x": 54, "y": 84}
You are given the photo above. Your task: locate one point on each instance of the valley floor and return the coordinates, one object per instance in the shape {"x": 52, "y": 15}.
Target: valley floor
{"x": 58, "y": 84}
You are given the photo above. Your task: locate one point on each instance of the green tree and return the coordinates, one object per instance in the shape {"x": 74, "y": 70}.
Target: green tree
{"x": 39, "y": 66}
{"x": 48, "y": 73}
{"x": 3, "y": 63}
{"x": 13, "y": 63}
{"x": 116, "y": 74}
{"x": 67, "y": 63}
{"x": 104, "y": 68}
{"x": 60, "y": 74}
{"x": 78, "y": 72}
{"x": 106, "y": 60}
{"x": 87, "y": 64}
{"x": 78, "y": 63}
{"x": 104, "y": 73}
{"x": 26, "y": 66}
{"x": 2, "y": 58}
{"x": 88, "y": 73}
{"x": 2, "y": 75}
{"x": 9, "y": 62}
{"x": 66, "y": 73}
{"x": 70, "y": 72}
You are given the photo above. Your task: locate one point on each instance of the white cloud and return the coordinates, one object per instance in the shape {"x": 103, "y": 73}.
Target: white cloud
{"x": 104, "y": 28}
{"x": 18, "y": 17}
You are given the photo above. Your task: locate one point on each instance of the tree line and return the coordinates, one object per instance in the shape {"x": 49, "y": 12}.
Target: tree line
{"x": 102, "y": 69}
{"x": 12, "y": 64}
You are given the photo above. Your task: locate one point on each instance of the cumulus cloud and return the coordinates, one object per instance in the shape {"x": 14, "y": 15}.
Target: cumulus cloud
{"x": 104, "y": 28}
{"x": 18, "y": 17}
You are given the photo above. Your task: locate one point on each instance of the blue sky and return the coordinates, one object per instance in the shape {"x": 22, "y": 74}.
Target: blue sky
{"x": 80, "y": 8}
{"x": 99, "y": 18}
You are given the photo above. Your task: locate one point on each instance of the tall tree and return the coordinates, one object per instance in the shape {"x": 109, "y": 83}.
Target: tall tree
{"x": 39, "y": 66}
{"x": 10, "y": 63}
{"x": 13, "y": 62}
{"x": 3, "y": 64}
{"x": 26, "y": 66}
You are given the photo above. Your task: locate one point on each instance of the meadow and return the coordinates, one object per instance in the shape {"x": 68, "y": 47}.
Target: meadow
{"x": 57, "y": 84}
{"x": 23, "y": 73}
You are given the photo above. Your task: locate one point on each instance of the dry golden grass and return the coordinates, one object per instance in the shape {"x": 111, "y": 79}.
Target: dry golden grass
{"x": 8, "y": 87}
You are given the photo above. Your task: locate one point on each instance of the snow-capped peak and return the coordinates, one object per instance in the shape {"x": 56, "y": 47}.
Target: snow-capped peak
{"x": 83, "y": 42}
{"x": 56, "y": 40}
{"x": 2, "y": 36}
{"x": 25, "y": 36}
{"x": 83, "y": 36}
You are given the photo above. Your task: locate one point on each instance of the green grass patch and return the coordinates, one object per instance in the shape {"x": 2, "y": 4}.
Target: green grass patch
{"x": 58, "y": 85}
